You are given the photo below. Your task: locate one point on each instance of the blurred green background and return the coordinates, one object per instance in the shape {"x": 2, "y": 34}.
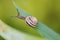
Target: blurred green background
{"x": 47, "y": 11}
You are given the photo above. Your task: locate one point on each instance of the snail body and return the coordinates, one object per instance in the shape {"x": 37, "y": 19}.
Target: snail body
{"x": 30, "y": 20}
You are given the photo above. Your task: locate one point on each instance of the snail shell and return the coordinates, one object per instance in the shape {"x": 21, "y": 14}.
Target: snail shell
{"x": 32, "y": 21}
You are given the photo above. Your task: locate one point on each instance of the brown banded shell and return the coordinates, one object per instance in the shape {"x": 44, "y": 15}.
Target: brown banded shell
{"x": 32, "y": 21}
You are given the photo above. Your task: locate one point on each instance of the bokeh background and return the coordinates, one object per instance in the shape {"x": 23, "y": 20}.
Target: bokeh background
{"x": 47, "y": 11}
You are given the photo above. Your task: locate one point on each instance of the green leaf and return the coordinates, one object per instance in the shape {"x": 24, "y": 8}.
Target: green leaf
{"x": 9, "y": 33}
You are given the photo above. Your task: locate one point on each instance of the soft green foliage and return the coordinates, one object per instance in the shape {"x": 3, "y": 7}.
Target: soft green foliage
{"x": 1, "y": 38}
{"x": 48, "y": 11}
{"x": 9, "y": 33}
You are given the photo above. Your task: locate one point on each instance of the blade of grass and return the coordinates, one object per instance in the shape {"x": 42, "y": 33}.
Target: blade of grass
{"x": 41, "y": 28}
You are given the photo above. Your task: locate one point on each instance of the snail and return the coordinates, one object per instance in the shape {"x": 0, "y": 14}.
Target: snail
{"x": 30, "y": 20}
